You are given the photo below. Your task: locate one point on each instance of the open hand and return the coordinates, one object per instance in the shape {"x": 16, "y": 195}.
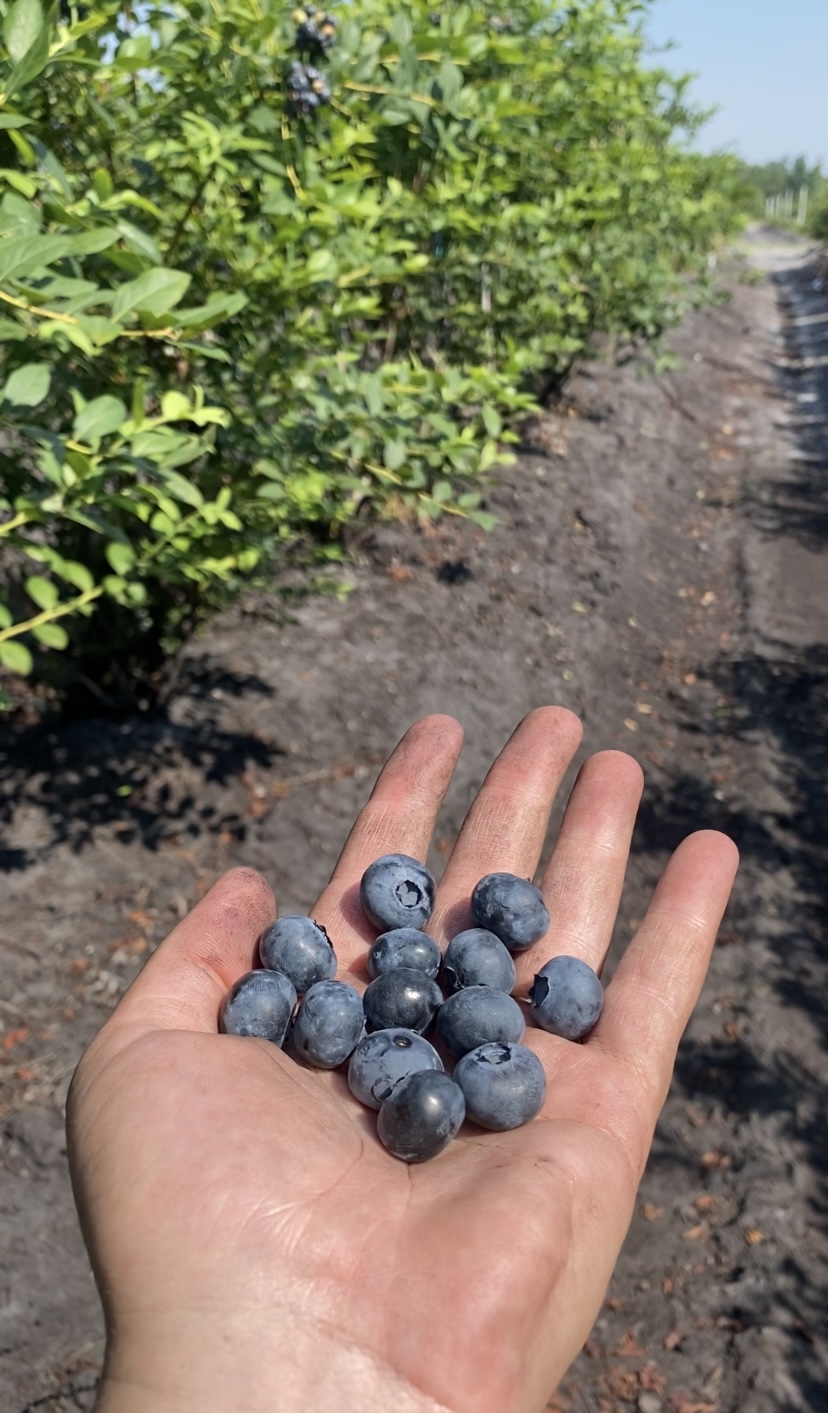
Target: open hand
{"x": 255, "y": 1246}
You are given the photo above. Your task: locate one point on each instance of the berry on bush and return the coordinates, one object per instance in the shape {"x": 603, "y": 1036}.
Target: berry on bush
{"x": 315, "y": 31}
{"x": 307, "y": 88}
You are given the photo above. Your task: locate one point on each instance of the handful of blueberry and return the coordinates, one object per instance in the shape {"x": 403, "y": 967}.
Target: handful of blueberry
{"x": 497, "y": 1082}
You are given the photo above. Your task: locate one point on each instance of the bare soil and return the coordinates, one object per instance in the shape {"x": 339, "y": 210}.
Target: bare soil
{"x": 660, "y": 566}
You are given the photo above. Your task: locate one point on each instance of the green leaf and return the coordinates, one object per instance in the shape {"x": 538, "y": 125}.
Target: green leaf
{"x": 34, "y": 60}
{"x": 121, "y": 557}
{"x": 51, "y": 635}
{"x": 12, "y": 120}
{"x": 179, "y": 487}
{"x": 211, "y": 313}
{"x": 76, "y": 574}
{"x": 492, "y": 420}
{"x": 174, "y": 406}
{"x": 21, "y": 27}
{"x": 102, "y": 184}
{"x": 319, "y": 264}
{"x": 42, "y": 591}
{"x": 393, "y": 455}
{"x": 27, "y": 386}
{"x": 91, "y": 242}
{"x": 154, "y": 292}
{"x": 135, "y": 53}
{"x": 99, "y": 418}
{"x": 116, "y": 587}
{"x": 21, "y": 256}
{"x": 16, "y": 657}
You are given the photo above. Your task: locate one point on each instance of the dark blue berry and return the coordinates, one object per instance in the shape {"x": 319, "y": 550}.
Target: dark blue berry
{"x": 402, "y": 999}
{"x": 404, "y": 947}
{"x": 381, "y": 1060}
{"x": 329, "y": 1024}
{"x": 259, "y": 1004}
{"x": 567, "y": 998}
{"x": 512, "y": 908}
{"x": 397, "y": 891}
{"x": 478, "y": 1014}
{"x": 477, "y": 958}
{"x": 504, "y": 1085}
{"x": 422, "y": 1115}
{"x": 301, "y": 949}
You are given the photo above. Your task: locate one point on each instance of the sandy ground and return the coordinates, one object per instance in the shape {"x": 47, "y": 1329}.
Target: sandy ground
{"x": 660, "y": 566}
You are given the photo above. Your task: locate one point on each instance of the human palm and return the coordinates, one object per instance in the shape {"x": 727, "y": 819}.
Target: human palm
{"x": 238, "y": 1207}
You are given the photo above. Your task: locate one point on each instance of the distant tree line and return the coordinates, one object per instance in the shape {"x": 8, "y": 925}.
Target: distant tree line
{"x": 789, "y": 186}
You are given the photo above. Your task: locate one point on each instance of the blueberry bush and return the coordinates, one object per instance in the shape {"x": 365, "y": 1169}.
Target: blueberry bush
{"x": 263, "y": 269}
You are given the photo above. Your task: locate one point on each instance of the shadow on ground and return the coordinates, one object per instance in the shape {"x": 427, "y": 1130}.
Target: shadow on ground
{"x": 136, "y": 777}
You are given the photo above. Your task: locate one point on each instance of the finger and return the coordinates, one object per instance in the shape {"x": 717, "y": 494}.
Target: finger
{"x": 506, "y": 826}
{"x": 584, "y": 878}
{"x": 185, "y": 980}
{"x": 658, "y": 980}
{"x": 399, "y": 818}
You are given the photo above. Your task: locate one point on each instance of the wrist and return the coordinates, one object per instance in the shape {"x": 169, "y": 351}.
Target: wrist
{"x": 299, "y": 1368}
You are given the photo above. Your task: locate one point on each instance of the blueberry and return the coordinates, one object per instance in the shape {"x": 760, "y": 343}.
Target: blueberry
{"x": 422, "y": 1115}
{"x": 504, "y": 1085}
{"x": 261, "y": 1004}
{"x": 567, "y": 997}
{"x": 329, "y": 1024}
{"x": 478, "y": 958}
{"x": 300, "y": 948}
{"x": 403, "y": 998}
{"x": 381, "y": 1060}
{"x": 476, "y": 1015}
{"x": 404, "y": 947}
{"x": 397, "y": 891}
{"x": 512, "y": 908}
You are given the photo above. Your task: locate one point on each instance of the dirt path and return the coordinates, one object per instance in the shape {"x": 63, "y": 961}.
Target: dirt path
{"x": 661, "y": 566}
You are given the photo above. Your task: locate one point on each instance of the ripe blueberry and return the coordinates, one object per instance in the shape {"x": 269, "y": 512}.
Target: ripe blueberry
{"x": 403, "y": 998}
{"x": 404, "y": 947}
{"x": 329, "y": 1024}
{"x": 512, "y": 908}
{"x": 478, "y": 1014}
{"x": 477, "y": 958}
{"x": 504, "y": 1085}
{"x": 397, "y": 891}
{"x": 567, "y": 997}
{"x": 300, "y": 948}
{"x": 422, "y": 1115}
{"x": 381, "y": 1060}
{"x": 260, "y": 1004}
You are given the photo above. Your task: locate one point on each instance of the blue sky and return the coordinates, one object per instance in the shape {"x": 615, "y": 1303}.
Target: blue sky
{"x": 764, "y": 61}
